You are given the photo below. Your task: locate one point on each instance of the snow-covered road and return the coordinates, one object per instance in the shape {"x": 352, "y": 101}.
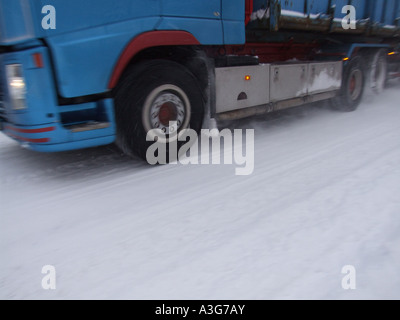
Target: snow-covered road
{"x": 325, "y": 193}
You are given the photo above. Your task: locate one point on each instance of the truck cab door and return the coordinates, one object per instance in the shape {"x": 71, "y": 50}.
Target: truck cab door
{"x": 202, "y": 18}
{"x": 233, "y": 20}
{"x": 205, "y": 9}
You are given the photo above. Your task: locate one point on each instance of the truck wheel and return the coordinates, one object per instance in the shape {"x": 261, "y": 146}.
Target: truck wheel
{"x": 352, "y": 90}
{"x": 151, "y": 95}
{"x": 378, "y": 73}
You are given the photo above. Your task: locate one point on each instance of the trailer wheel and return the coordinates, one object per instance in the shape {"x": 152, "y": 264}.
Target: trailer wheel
{"x": 378, "y": 75}
{"x": 353, "y": 84}
{"x": 152, "y": 95}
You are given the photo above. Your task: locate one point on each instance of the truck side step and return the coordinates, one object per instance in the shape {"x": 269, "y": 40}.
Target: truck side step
{"x": 89, "y": 126}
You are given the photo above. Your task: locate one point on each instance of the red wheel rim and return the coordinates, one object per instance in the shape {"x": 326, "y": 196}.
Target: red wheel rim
{"x": 167, "y": 113}
{"x": 352, "y": 84}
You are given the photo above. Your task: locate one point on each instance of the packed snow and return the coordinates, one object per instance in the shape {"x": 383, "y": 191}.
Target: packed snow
{"x": 324, "y": 194}
{"x": 324, "y": 81}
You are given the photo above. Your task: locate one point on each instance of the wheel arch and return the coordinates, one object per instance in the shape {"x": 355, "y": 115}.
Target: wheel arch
{"x": 363, "y": 49}
{"x": 178, "y": 46}
{"x": 148, "y": 42}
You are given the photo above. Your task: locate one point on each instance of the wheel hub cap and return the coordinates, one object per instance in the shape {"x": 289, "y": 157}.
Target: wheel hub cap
{"x": 355, "y": 84}
{"x": 167, "y": 113}
{"x": 168, "y": 107}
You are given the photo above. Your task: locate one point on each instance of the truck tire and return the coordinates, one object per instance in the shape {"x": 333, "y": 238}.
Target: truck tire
{"x": 353, "y": 84}
{"x": 379, "y": 72}
{"x": 149, "y": 96}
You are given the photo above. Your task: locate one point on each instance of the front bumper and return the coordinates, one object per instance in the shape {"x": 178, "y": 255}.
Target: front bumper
{"x": 54, "y": 137}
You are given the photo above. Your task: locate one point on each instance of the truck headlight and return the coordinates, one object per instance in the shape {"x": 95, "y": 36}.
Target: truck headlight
{"x": 16, "y": 86}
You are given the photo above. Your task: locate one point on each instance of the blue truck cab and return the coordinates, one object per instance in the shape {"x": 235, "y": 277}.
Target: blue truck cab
{"x": 56, "y": 83}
